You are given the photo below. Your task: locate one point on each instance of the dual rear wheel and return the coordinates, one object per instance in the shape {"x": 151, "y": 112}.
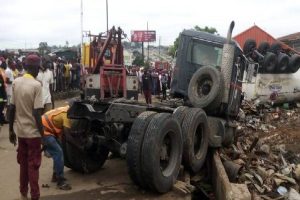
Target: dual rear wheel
{"x": 159, "y": 142}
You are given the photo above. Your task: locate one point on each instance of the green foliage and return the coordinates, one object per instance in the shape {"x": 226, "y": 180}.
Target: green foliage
{"x": 43, "y": 48}
{"x": 206, "y": 29}
{"x": 173, "y": 48}
{"x": 138, "y": 61}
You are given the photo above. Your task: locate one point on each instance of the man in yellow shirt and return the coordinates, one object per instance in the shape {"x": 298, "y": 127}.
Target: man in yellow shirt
{"x": 55, "y": 124}
{"x": 67, "y": 74}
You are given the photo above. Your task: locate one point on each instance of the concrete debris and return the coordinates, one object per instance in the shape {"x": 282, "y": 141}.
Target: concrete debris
{"x": 266, "y": 152}
{"x": 265, "y": 148}
{"x": 297, "y": 172}
{"x": 293, "y": 195}
{"x": 183, "y": 187}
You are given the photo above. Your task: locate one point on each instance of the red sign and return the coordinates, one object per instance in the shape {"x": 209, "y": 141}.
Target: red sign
{"x": 143, "y": 36}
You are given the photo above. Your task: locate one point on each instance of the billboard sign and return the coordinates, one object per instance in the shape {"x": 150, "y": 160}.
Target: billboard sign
{"x": 143, "y": 36}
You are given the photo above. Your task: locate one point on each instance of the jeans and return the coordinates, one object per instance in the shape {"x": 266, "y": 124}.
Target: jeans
{"x": 55, "y": 150}
{"x": 29, "y": 157}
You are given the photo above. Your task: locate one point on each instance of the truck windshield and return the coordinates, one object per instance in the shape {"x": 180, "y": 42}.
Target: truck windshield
{"x": 206, "y": 54}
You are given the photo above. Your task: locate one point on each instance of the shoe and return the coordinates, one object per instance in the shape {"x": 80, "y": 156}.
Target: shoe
{"x": 64, "y": 186}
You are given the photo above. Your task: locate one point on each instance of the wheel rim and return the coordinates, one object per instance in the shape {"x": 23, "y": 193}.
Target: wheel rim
{"x": 168, "y": 154}
{"x": 284, "y": 64}
{"x": 198, "y": 141}
{"x": 204, "y": 87}
{"x": 271, "y": 65}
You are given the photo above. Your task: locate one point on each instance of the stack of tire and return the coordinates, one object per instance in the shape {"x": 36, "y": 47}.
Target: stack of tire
{"x": 271, "y": 58}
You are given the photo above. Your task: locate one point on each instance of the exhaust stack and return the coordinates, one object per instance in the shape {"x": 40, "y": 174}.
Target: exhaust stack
{"x": 227, "y": 63}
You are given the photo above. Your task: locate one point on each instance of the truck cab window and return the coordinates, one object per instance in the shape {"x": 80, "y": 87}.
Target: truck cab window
{"x": 204, "y": 54}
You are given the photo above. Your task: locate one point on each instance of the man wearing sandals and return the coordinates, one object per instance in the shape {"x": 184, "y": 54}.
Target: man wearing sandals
{"x": 56, "y": 123}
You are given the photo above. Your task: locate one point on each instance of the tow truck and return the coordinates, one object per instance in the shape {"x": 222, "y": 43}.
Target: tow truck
{"x": 156, "y": 140}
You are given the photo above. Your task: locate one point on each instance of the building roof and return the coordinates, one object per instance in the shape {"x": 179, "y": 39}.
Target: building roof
{"x": 259, "y": 35}
{"x": 294, "y": 36}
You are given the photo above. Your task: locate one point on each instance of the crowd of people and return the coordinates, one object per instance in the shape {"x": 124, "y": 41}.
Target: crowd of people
{"x": 26, "y": 91}
{"x": 55, "y": 74}
{"x": 153, "y": 82}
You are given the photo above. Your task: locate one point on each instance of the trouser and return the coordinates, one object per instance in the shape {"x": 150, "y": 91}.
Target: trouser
{"x": 47, "y": 107}
{"x": 78, "y": 80}
{"x": 2, "y": 118}
{"x": 154, "y": 87}
{"x": 29, "y": 157}
{"x": 164, "y": 91}
{"x": 141, "y": 87}
{"x": 55, "y": 150}
{"x": 147, "y": 94}
{"x": 67, "y": 82}
{"x": 63, "y": 83}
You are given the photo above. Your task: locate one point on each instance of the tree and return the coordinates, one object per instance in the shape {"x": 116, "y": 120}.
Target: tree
{"x": 138, "y": 61}
{"x": 173, "y": 48}
{"x": 206, "y": 29}
{"x": 43, "y": 48}
{"x": 67, "y": 44}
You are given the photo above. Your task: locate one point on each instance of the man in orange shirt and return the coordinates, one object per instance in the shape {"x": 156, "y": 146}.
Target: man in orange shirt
{"x": 55, "y": 124}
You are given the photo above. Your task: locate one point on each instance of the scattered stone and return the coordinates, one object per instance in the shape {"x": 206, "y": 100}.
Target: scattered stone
{"x": 265, "y": 148}
{"x": 293, "y": 194}
{"x": 282, "y": 190}
{"x": 297, "y": 172}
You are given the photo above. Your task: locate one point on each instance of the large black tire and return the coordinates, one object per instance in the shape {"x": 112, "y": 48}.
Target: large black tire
{"x": 269, "y": 63}
{"x": 249, "y": 46}
{"x": 86, "y": 161}
{"x": 80, "y": 159}
{"x": 275, "y": 48}
{"x": 282, "y": 63}
{"x": 162, "y": 152}
{"x": 205, "y": 88}
{"x": 263, "y": 48}
{"x": 134, "y": 147}
{"x": 179, "y": 113}
{"x": 294, "y": 63}
{"x": 195, "y": 139}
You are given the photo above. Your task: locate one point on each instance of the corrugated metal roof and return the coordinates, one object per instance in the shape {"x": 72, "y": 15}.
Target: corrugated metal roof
{"x": 259, "y": 35}
{"x": 294, "y": 36}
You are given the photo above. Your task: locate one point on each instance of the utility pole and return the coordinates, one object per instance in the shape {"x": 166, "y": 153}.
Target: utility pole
{"x": 107, "y": 16}
{"x": 81, "y": 27}
{"x": 148, "y": 44}
{"x": 159, "y": 46}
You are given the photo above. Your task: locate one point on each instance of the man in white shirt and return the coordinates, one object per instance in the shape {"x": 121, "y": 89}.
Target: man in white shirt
{"x": 9, "y": 79}
{"x": 45, "y": 76}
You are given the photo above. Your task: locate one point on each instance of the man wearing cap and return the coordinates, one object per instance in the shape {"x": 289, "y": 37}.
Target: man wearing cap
{"x": 55, "y": 124}
{"x": 25, "y": 123}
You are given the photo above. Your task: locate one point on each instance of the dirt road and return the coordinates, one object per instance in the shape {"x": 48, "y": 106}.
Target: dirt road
{"x": 111, "y": 182}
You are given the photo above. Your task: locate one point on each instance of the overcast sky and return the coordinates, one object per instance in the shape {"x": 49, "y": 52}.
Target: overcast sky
{"x": 25, "y": 23}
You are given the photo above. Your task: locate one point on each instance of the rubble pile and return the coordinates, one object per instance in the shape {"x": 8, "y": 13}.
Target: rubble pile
{"x": 266, "y": 153}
